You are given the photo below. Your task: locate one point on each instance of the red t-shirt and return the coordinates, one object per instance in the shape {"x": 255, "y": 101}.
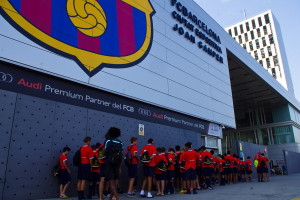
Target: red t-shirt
{"x": 263, "y": 158}
{"x": 181, "y": 160}
{"x": 133, "y": 149}
{"x": 86, "y": 154}
{"x": 242, "y": 163}
{"x": 229, "y": 157}
{"x": 157, "y": 159}
{"x": 190, "y": 157}
{"x": 96, "y": 169}
{"x": 202, "y": 158}
{"x": 221, "y": 161}
{"x": 152, "y": 152}
{"x": 236, "y": 163}
{"x": 62, "y": 159}
{"x": 171, "y": 158}
{"x": 103, "y": 160}
{"x": 215, "y": 162}
{"x": 249, "y": 165}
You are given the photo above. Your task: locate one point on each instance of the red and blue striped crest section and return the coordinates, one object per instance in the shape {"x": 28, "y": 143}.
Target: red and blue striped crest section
{"x": 124, "y": 35}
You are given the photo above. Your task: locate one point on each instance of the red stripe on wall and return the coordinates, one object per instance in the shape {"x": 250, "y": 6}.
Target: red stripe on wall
{"x": 126, "y": 28}
{"x": 38, "y": 13}
{"x": 88, "y": 43}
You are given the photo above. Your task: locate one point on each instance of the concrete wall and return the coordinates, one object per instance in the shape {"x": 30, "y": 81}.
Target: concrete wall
{"x": 276, "y": 154}
{"x": 292, "y": 160}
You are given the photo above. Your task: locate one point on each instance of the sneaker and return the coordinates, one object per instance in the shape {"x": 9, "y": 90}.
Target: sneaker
{"x": 182, "y": 191}
{"x": 142, "y": 194}
{"x": 210, "y": 188}
{"x": 131, "y": 195}
{"x": 149, "y": 195}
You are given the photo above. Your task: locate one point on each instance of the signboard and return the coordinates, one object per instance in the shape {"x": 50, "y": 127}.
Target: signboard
{"x": 25, "y": 81}
{"x": 141, "y": 129}
{"x": 215, "y": 130}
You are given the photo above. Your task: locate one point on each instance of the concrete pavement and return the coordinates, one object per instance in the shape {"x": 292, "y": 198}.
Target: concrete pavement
{"x": 279, "y": 188}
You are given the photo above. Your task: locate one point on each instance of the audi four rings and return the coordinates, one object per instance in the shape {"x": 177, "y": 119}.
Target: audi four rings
{"x": 6, "y": 77}
{"x": 145, "y": 112}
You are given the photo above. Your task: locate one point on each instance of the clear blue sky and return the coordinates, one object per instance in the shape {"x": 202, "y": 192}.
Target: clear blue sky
{"x": 287, "y": 12}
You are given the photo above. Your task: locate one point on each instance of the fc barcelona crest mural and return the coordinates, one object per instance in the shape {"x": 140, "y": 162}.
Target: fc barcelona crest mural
{"x": 94, "y": 33}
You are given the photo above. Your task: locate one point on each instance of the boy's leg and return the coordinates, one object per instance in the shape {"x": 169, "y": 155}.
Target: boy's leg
{"x": 65, "y": 187}
{"x": 149, "y": 183}
{"x": 162, "y": 186}
{"x": 158, "y": 187}
{"x": 101, "y": 187}
{"x": 61, "y": 186}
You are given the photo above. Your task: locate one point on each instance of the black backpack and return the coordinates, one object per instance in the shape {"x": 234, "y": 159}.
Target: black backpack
{"x": 162, "y": 166}
{"x": 101, "y": 156}
{"x": 177, "y": 158}
{"x": 145, "y": 157}
{"x": 77, "y": 158}
{"x": 228, "y": 163}
{"x": 56, "y": 169}
{"x": 234, "y": 164}
{"x": 262, "y": 163}
{"x": 207, "y": 160}
{"x": 115, "y": 153}
{"x": 242, "y": 166}
{"x": 224, "y": 165}
{"x": 96, "y": 163}
{"x": 128, "y": 156}
{"x": 182, "y": 166}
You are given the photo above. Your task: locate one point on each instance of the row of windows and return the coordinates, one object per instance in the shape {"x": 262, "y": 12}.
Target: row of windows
{"x": 241, "y": 27}
{"x": 257, "y": 43}
{"x": 252, "y": 36}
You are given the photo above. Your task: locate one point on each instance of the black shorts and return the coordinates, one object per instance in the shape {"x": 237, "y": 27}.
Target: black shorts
{"x": 190, "y": 174}
{"x": 132, "y": 171}
{"x": 199, "y": 171}
{"x": 64, "y": 177}
{"x": 235, "y": 170}
{"x": 249, "y": 172}
{"x": 95, "y": 177}
{"x": 242, "y": 171}
{"x": 177, "y": 172}
{"x": 149, "y": 171}
{"x": 223, "y": 173}
{"x": 84, "y": 172}
{"x": 111, "y": 172}
{"x": 170, "y": 174}
{"x": 182, "y": 176}
{"x": 102, "y": 169}
{"x": 266, "y": 170}
{"x": 260, "y": 170}
{"x": 228, "y": 170}
{"x": 161, "y": 177}
{"x": 207, "y": 171}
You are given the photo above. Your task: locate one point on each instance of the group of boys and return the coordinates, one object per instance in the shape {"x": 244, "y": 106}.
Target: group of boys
{"x": 186, "y": 169}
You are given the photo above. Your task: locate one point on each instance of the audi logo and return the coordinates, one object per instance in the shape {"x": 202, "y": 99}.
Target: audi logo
{"x": 6, "y": 77}
{"x": 145, "y": 112}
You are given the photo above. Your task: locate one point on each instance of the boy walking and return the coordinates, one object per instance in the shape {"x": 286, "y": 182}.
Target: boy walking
{"x": 160, "y": 174}
{"x": 132, "y": 168}
{"x": 64, "y": 175}
{"x": 248, "y": 167}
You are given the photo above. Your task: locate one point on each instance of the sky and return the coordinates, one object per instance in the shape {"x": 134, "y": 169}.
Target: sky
{"x": 287, "y": 12}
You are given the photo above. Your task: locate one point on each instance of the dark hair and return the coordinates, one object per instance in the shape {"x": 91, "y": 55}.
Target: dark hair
{"x": 234, "y": 155}
{"x": 158, "y": 150}
{"x": 98, "y": 144}
{"x": 203, "y": 148}
{"x": 94, "y": 147}
{"x": 262, "y": 154}
{"x": 66, "y": 148}
{"x": 133, "y": 139}
{"x": 114, "y": 132}
{"x": 241, "y": 158}
{"x": 163, "y": 150}
{"x": 150, "y": 141}
{"x": 87, "y": 139}
{"x": 177, "y": 147}
{"x": 188, "y": 145}
{"x": 171, "y": 149}
{"x": 248, "y": 157}
{"x": 228, "y": 152}
{"x": 212, "y": 152}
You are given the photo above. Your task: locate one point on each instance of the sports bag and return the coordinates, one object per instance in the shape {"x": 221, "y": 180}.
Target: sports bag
{"x": 115, "y": 153}
{"x": 77, "y": 158}
{"x": 207, "y": 160}
{"x": 128, "y": 156}
{"x": 162, "y": 166}
{"x": 56, "y": 169}
{"x": 145, "y": 157}
{"x": 101, "y": 155}
{"x": 96, "y": 163}
{"x": 228, "y": 162}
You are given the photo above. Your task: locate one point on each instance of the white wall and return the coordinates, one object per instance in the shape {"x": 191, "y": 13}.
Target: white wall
{"x": 176, "y": 74}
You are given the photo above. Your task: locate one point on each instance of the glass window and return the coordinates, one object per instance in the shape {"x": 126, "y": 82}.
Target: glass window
{"x": 244, "y": 46}
{"x": 268, "y": 62}
{"x": 251, "y": 45}
{"x": 256, "y": 55}
{"x": 240, "y": 39}
{"x": 247, "y": 136}
{"x": 253, "y": 24}
{"x": 257, "y": 44}
{"x": 283, "y": 135}
{"x": 269, "y": 51}
{"x": 246, "y": 37}
{"x": 275, "y": 61}
{"x": 242, "y": 28}
{"x": 263, "y": 55}
{"x": 252, "y": 35}
{"x": 259, "y": 21}
{"x": 263, "y": 137}
{"x": 211, "y": 142}
{"x": 271, "y": 39}
{"x": 230, "y": 32}
{"x": 267, "y": 19}
{"x": 261, "y": 62}
{"x": 247, "y": 26}
{"x": 258, "y": 32}
{"x": 235, "y": 31}
{"x": 274, "y": 73}
{"x": 265, "y": 30}
{"x": 264, "y": 41}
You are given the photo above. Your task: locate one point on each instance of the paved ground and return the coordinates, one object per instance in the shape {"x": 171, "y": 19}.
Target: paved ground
{"x": 279, "y": 188}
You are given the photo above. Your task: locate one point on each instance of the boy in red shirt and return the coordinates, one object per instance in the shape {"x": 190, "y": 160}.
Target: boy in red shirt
{"x": 222, "y": 165}
{"x": 95, "y": 176}
{"x": 259, "y": 175}
{"x": 148, "y": 168}
{"x": 242, "y": 169}
{"x": 160, "y": 176}
{"x": 85, "y": 168}
{"x": 177, "y": 167}
{"x": 190, "y": 157}
{"x": 182, "y": 170}
{"x": 171, "y": 171}
{"x": 248, "y": 166}
{"x": 215, "y": 176}
{"x": 229, "y": 170}
{"x": 207, "y": 166}
{"x": 264, "y": 167}
{"x": 132, "y": 168}
{"x": 64, "y": 174}
{"x": 235, "y": 165}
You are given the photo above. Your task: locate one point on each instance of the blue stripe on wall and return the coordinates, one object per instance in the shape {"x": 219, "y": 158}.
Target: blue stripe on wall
{"x": 140, "y": 27}
{"x": 109, "y": 41}
{"x": 62, "y": 27}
